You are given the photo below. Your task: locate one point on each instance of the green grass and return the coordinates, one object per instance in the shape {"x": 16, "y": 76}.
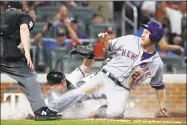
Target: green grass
{"x": 74, "y": 122}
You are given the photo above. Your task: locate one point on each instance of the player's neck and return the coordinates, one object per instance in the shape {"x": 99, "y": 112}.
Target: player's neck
{"x": 149, "y": 48}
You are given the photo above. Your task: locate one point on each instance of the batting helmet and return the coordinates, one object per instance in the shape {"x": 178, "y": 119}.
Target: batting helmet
{"x": 55, "y": 77}
{"x": 156, "y": 29}
{"x": 14, "y": 4}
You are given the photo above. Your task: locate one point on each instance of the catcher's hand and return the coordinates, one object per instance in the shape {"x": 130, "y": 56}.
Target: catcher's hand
{"x": 82, "y": 51}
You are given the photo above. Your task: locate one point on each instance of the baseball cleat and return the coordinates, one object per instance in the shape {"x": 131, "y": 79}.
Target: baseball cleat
{"x": 45, "y": 113}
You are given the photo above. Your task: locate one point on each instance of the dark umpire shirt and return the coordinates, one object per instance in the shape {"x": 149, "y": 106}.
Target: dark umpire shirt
{"x": 10, "y": 33}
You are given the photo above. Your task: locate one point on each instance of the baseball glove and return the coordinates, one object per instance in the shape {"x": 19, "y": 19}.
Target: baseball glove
{"x": 82, "y": 51}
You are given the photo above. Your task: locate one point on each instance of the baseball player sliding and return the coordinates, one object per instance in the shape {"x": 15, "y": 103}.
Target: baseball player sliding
{"x": 134, "y": 61}
{"x": 58, "y": 81}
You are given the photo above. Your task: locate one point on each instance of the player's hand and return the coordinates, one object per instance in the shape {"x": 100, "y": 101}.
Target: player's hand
{"x": 29, "y": 61}
{"x": 164, "y": 112}
{"x": 104, "y": 39}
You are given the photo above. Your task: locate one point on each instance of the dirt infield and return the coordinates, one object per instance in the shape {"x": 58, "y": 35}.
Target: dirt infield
{"x": 167, "y": 120}
{"x": 144, "y": 120}
{"x": 174, "y": 118}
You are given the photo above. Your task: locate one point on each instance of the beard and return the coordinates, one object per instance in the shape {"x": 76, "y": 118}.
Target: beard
{"x": 58, "y": 90}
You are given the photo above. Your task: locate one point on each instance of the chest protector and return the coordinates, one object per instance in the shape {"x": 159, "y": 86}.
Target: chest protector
{"x": 10, "y": 34}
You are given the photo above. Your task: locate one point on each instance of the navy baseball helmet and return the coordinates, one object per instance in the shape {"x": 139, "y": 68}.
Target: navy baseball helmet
{"x": 14, "y": 4}
{"x": 156, "y": 29}
{"x": 55, "y": 77}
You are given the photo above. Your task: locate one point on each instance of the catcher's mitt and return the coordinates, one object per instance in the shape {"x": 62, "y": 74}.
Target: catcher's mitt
{"x": 82, "y": 51}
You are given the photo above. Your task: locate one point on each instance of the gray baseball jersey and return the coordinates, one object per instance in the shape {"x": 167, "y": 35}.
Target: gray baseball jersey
{"x": 128, "y": 59}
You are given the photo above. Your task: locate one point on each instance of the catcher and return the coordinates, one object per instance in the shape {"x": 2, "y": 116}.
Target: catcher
{"x": 58, "y": 81}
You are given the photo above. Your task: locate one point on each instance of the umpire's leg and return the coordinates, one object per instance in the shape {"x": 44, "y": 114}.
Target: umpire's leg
{"x": 19, "y": 71}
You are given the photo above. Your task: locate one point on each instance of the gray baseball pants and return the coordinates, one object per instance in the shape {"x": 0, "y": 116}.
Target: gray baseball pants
{"x": 99, "y": 83}
{"x": 19, "y": 71}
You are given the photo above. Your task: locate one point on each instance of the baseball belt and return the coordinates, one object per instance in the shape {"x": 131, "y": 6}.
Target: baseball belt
{"x": 115, "y": 80}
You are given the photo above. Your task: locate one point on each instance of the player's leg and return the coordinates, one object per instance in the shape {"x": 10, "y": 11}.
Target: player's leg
{"x": 95, "y": 95}
{"x": 80, "y": 72}
{"x": 100, "y": 113}
{"x": 116, "y": 98}
{"x": 91, "y": 85}
{"x": 116, "y": 106}
{"x": 27, "y": 80}
{"x": 57, "y": 89}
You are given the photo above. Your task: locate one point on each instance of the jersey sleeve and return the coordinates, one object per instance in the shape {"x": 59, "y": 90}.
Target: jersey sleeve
{"x": 75, "y": 76}
{"x": 118, "y": 43}
{"x": 115, "y": 44}
{"x": 26, "y": 19}
{"x": 157, "y": 80}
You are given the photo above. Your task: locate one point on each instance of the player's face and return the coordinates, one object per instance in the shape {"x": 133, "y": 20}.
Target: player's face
{"x": 59, "y": 88}
{"x": 145, "y": 38}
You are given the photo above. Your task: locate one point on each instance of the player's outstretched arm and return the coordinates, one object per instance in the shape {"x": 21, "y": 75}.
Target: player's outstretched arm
{"x": 88, "y": 63}
{"x": 80, "y": 72}
{"x": 161, "y": 100}
{"x": 117, "y": 43}
{"x": 158, "y": 84}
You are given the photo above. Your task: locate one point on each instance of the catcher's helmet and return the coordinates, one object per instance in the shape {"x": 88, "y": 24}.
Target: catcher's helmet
{"x": 156, "y": 29}
{"x": 55, "y": 77}
{"x": 14, "y": 4}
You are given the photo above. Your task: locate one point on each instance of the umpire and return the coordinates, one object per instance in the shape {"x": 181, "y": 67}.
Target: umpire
{"x": 15, "y": 26}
